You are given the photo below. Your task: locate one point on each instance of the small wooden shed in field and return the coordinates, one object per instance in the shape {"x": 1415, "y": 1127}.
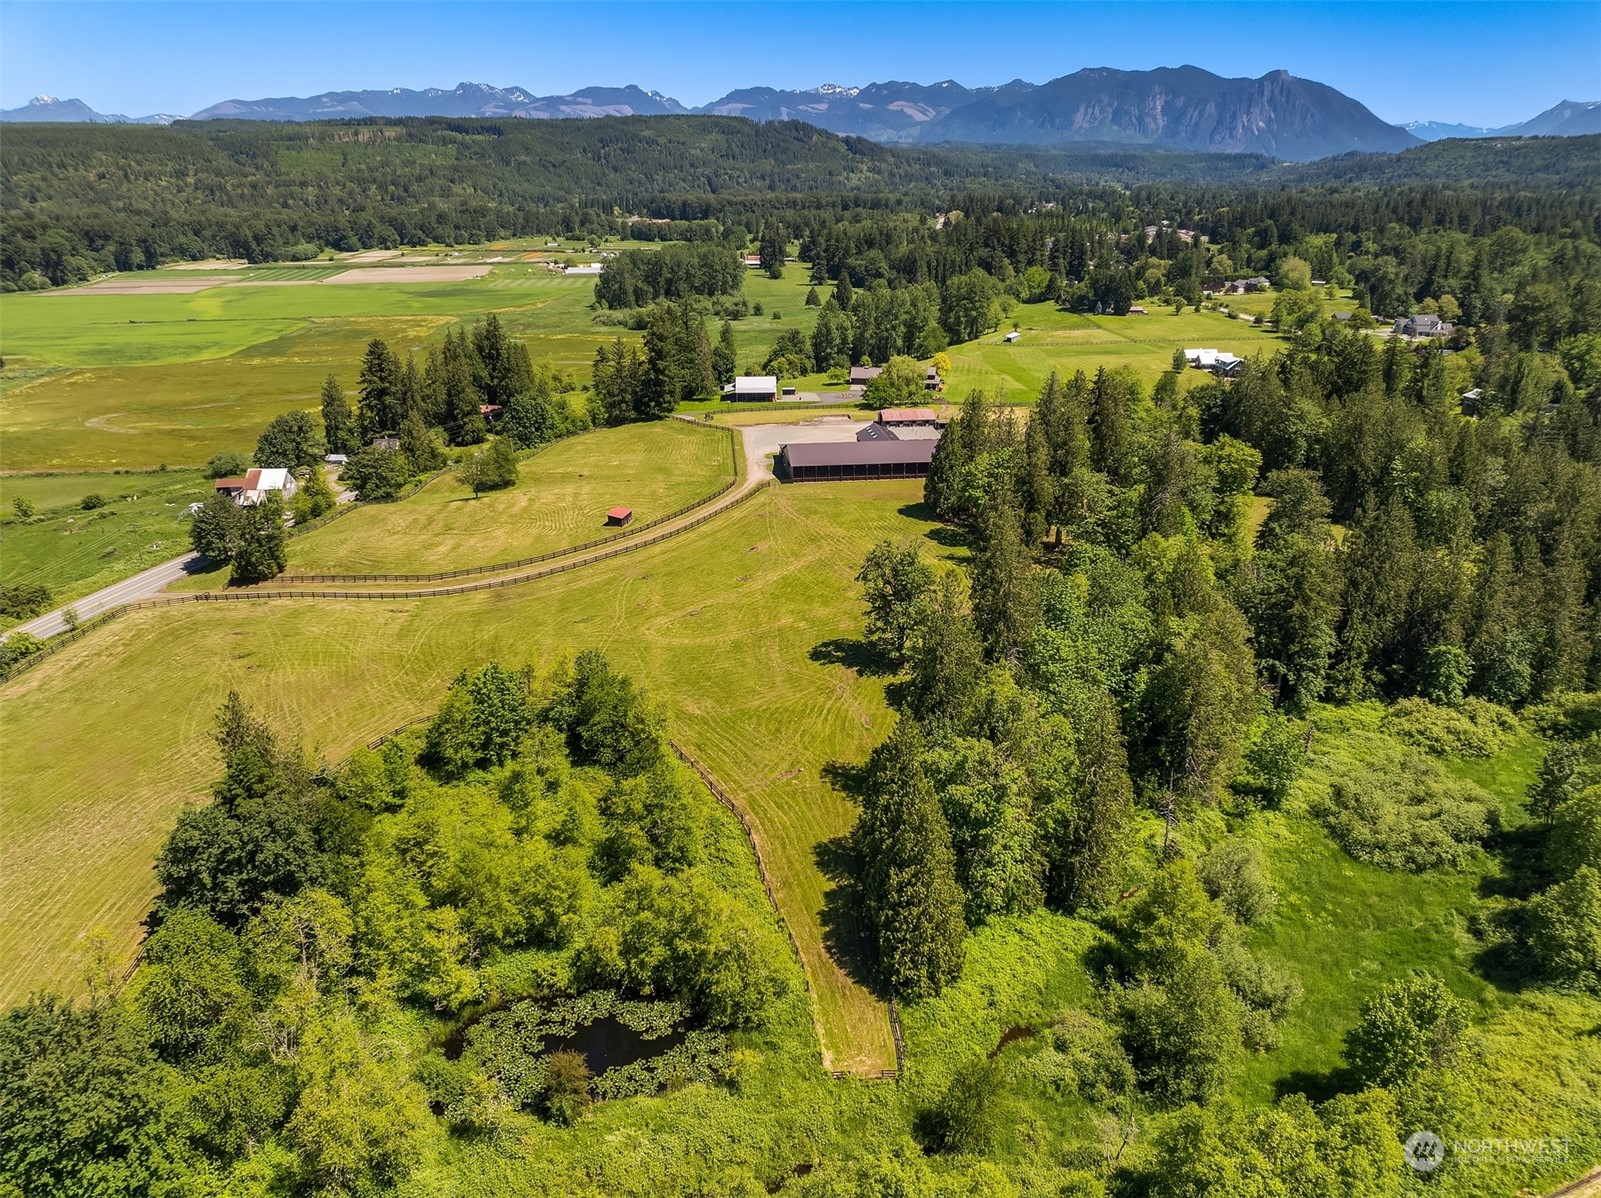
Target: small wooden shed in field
{"x": 619, "y": 517}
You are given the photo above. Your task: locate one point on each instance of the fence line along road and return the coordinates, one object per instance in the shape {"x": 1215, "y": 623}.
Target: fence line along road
{"x": 500, "y": 567}
{"x": 254, "y": 595}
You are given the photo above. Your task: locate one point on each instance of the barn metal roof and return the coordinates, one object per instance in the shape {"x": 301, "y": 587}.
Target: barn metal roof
{"x": 859, "y": 453}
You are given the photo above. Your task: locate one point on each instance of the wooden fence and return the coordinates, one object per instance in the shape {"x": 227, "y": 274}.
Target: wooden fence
{"x": 56, "y": 643}
{"x": 499, "y": 567}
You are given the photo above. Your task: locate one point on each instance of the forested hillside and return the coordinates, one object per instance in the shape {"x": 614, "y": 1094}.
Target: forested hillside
{"x": 79, "y": 199}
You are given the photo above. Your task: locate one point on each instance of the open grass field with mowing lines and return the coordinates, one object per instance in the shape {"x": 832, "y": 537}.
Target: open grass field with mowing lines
{"x": 560, "y": 501}
{"x": 98, "y": 381}
{"x": 1066, "y": 341}
{"x": 135, "y": 381}
{"x": 740, "y": 628}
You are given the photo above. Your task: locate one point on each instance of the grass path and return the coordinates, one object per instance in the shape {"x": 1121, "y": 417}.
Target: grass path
{"x": 724, "y": 624}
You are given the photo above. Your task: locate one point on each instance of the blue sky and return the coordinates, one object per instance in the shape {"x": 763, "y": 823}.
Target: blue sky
{"x": 1474, "y": 61}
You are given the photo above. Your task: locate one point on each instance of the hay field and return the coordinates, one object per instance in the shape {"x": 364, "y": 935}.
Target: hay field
{"x": 561, "y": 500}
{"x": 739, "y": 627}
{"x": 130, "y": 373}
{"x": 1065, "y": 342}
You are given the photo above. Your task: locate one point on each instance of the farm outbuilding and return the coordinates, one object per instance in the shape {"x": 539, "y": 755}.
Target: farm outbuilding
{"x": 620, "y": 517}
{"x": 753, "y": 388}
{"x": 823, "y": 461}
{"x": 896, "y": 417}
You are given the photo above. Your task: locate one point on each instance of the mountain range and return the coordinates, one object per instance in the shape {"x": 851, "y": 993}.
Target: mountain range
{"x": 1567, "y": 119}
{"x": 1181, "y": 108}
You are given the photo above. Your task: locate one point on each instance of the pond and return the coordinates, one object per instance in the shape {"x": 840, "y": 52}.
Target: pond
{"x": 630, "y": 1047}
{"x": 609, "y": 1043}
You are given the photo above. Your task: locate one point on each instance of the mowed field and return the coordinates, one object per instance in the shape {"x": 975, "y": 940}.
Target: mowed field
{"x": 101, "y": 381}
{"x": 561, "y": 500}
{"x": 139, "y": 376}
{"x": 1065, "y": 342}
{"x": 739, "y": 627}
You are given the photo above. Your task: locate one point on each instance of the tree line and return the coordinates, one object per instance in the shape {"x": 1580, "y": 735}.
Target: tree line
{"x": 79, "y": 200}
{"x": 1133, "y": 647}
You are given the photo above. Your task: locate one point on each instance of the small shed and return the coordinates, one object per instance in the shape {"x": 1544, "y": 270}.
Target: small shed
{"x": 1012, "y": 337}
{"x": 620, "y": 517}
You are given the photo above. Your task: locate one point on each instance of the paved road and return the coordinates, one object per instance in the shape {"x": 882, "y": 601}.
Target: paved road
{"x": 761, "y": 441}
{"x": 141, "y": 586}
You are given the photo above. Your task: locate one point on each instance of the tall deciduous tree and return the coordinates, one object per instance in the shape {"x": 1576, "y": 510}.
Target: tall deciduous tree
{"x": 290, "y": 441}
{"x": 255, "y": 841}
{"x": 85, "y": 1107}
{"x": 895, "y": 580}
{"x": 262, "y": 551}
{"x": 216, "y": 528}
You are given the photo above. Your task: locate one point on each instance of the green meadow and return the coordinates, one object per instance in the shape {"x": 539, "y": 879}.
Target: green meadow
{"x": 73, "y": 551}
{"x": 96, "y": 381}
{"x": 740, "y": 628}
{"x": 560, "y": 501}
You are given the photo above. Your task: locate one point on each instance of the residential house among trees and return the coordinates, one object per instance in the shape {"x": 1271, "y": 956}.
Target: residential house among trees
{"x": 256, "y": 485}
{"x": 1214, "y": 361}
{"x": 1422, "y": 324}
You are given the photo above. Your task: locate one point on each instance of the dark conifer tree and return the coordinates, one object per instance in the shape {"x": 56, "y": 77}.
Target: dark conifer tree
{"x": 338, "y": 421}
{"x": 378, "y": 411}
{"x": 1084, "y": 829}
{"x": 909, "y": 871}
{"x": 1006, "y": 600}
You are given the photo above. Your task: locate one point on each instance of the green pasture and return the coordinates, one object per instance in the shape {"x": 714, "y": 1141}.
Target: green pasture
{"x": 73, "y": 551}
{"x": 137, "y": 381}
{"x": 1067, "y": 341}
{"x": 560, "y": 500}
{"x": 741, "y": 628}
